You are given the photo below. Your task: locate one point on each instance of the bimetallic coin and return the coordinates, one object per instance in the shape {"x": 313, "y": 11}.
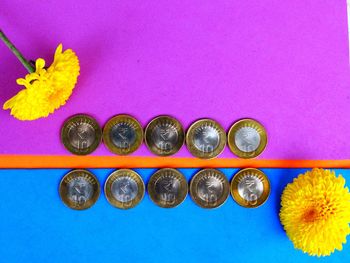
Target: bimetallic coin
{"x": 209, "y": 188}
{"x": 247, "y": 138}
{"x": 122, "y": 134}
{"x": 79, "y": 189}
{"x": 164, "y": 136}
{"x": 167, "y": 188}
{"x": 81, "y": 134}
{"x": 206, "y": 139}
{"x": 124, "y": 189}
{"x": 250, "y": 187}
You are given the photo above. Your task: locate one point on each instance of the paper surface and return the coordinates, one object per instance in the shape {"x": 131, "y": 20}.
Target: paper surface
{"x": 40, "y": 228}
{"x": 284, "y": 63}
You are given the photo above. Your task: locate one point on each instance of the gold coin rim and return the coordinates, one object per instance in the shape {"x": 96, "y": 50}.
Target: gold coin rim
{"x": 121, "y": 173}
{"x": 152, "y": 192}
{"x": 234, "y": 188}
{"x": 70, "y": 147}
{"x": 62, "y": 189}
{"x": 151, "y": 146}
{"x": 193, "y": 149}
{"x": 247, "y": 122}
{"x": 199, "y": 201}
{"x": 111, "y": 123}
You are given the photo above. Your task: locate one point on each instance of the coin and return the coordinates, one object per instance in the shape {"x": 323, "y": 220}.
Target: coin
{"x": 124, "y": 188}
{"x": 164, "y": 136}
{"x": 247, "y": 138}
{"x": 167, "y": 188}
{"x": 250, "y": 187}
{"x": 81, "y": 134}
{"x": 206, "y": 139}
{"x": 209, "y": 188}
{"x": 79, "y": 189}
{"x": 122, "y": 134}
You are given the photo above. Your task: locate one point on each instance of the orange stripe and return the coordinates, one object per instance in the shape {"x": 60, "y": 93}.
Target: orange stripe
{"x": 55, "y": 161}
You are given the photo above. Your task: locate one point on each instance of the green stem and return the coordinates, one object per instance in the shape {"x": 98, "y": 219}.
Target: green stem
{"x": 18, "y": 54}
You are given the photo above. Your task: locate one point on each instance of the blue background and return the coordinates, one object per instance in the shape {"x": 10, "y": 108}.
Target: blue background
{"x": 35, "y": 226}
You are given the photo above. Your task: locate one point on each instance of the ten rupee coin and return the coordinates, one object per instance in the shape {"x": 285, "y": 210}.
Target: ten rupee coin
{"x": 81, "y": 134}
{"x": 250, "y": 187}
{"x": 206, "y": 139}
{"x": 122, "y": 134}
{"x": 209, "y": 188}
{"x": 247, "y": 138}
{"x": 167, "y": 188}
{"x": 79, "y": 189}
{"x": 164, "y": 136}
{"x": 124, "y": 189}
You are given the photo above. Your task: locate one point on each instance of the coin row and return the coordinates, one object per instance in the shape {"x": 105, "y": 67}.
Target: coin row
{"x": 164, "y": 136}
{"x": 167, "y": 187}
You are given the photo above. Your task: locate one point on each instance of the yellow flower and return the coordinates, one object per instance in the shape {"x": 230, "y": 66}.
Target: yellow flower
{"x": 316, "y": 212}
{"x": 45, "y": 89}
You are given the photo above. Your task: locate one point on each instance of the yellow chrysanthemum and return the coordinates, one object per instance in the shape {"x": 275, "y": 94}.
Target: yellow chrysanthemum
{"x": 45, "y": 89}
{"x": 316, "y": 212}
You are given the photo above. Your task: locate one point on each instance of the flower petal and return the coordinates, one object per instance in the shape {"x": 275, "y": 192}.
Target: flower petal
{"x": 39, "y": 64}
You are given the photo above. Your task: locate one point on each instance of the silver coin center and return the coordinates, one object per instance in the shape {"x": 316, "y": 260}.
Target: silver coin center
{"x": 124, "y": 189}
{"x": 250, "y": 188}
{"x": 81, "y": 135}
{"x": 79, "y": 190}
{"x": 206, "y": 139}
{"x": 123, "y": 135}
{"x": 210, "y": 189}
{"x": 247, "y": 139}
{"x": 168, "y": 188}
{"x": 165, "y": 137}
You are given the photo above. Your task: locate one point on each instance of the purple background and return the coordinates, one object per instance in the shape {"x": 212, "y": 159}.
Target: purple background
{"x": 284, "y": 63}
